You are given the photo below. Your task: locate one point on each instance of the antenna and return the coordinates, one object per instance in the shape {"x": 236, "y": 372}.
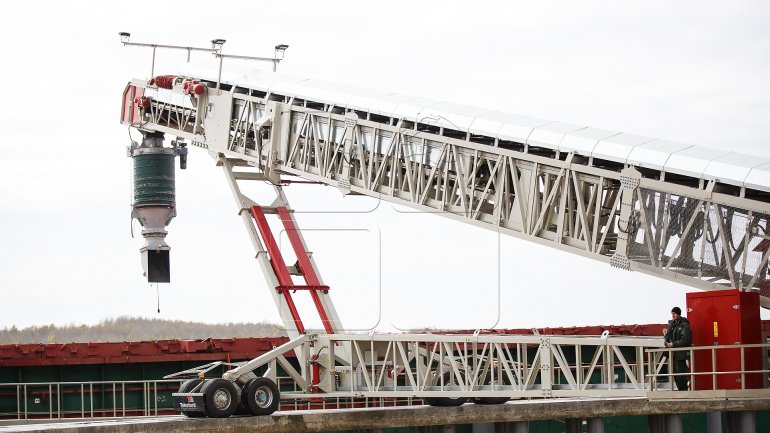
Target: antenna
{"x": 215, "y": 50}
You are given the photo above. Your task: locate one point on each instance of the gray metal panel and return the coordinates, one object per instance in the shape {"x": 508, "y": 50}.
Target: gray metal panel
{"x": 452, "y": 116}
{"x": 692, "y": 161}
{"x": 759, "y": 178}
{"x": 287, "y": 86}
{"x": 519, "y": 129}
{"x": 490, "y": 123}
{"x": 733, "y": 168}
{"x": 551, "y": 135}
{"x": 388, "y": 104}
{"x": 263, "y": 81}
{"x": 323, "y": 91}
{"x": 618, "y": 147}
{"x": 655, "y": 153}
{"x": 584, "y": 141}
{"x": 363, "y": 100}
{"x": 413, "y": 109}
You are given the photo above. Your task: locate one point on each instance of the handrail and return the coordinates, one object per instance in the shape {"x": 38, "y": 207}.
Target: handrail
{"x": 60, "y": 395}
{"x": 659, "y": 358}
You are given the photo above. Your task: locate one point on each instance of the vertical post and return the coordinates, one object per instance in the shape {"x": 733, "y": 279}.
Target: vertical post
{"x": 671, "y": 372}
{"x": 629, "y": 180}
{"x": 144, "y": 399}
{"x": 656, "y": 423}
{"x": 573, "y": 425}
{"x": 674, "y": 423}
{"x": 747, "y": 422}
{"x": 596, "y": 425}
{"x": 545, "y": 365}
{"x": 650, "y": 370}
{"x": 692, "y": 369}
{"x": 519, "y": 427}
{"x": 714, "y": 422}
{"x": 713, "y": 369}
{"x": 219, "y": 77}
{"x": 743, "y": 368}
{"x": 152, "y": 68}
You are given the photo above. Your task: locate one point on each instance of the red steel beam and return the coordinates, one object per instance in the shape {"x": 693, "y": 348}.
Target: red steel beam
{"x": 279, "y": 266}
{"x": 308, "y": 272}
{"x": 20, "y": 355}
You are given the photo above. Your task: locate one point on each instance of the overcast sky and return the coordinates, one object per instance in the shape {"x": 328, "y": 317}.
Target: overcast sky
{"x": 695, "y": 72}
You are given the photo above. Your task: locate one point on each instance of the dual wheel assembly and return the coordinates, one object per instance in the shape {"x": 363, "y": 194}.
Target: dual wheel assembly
{"x": 222, "y": 398}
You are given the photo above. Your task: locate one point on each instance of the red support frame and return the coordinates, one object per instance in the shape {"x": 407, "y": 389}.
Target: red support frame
{"x": 308, "y": 271}
{"x": 285, "y": 283}
{"x": 279, "y": 266}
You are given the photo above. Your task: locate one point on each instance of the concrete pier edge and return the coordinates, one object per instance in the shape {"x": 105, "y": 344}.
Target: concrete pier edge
{"x": 373, "y": 418}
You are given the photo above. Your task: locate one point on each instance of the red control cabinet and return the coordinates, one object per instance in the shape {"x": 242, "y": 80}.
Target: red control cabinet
{"x": 722, "y": 318}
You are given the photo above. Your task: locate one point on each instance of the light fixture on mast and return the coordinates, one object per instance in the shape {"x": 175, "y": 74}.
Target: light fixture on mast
{"x": 280, "y": 49}
{"x": 216, "y": 45}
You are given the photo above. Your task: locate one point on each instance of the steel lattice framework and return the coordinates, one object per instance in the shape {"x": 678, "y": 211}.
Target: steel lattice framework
{"x": 696, "y": 231}
{"x": 665, "y": 211}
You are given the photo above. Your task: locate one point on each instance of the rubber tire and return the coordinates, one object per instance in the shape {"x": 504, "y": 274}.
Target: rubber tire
{"x": 493, "y": 400}
{"x": 445, "y": 401}
{"x": 250, "y": 396}
{"x": 210, "y": 388}
{"x": 186, "y": 387}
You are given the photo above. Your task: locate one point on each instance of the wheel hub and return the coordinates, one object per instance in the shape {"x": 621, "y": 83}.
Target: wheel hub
{"x": 263, "y": 397}
{"x": 221, "y": 399}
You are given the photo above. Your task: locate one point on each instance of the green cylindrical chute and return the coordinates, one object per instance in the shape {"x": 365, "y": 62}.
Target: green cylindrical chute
{"x": 154, "y": 179}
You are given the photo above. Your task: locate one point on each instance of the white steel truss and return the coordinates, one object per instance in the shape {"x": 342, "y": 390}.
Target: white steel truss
{"x": 707, "y": 235}
{"x": 467, "y": 366}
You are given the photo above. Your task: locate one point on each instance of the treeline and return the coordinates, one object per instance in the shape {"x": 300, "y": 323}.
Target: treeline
{"x": 136, "y": 329}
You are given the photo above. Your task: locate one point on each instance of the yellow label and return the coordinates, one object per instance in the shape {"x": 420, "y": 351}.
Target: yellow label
{"x": 716, "y": 329}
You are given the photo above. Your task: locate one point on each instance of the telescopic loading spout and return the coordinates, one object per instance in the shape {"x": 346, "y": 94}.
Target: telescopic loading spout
{"x": 154, "y": 203}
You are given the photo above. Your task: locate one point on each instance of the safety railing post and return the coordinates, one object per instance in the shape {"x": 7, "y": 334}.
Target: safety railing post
{"x": 145, "y": 402}
{"x": 714, "y": 368}
{"x": 692, "y": 368}
{"x": 743, "y": 369}
{"x": 671, "y": 373}
{"x": 156, "y": 398}
{"x": 18, "y": 403}
{"x": 650, "y": 370}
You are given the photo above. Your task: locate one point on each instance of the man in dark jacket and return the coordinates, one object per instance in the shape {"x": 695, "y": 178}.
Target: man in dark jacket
{"x": 679, "y": 334}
